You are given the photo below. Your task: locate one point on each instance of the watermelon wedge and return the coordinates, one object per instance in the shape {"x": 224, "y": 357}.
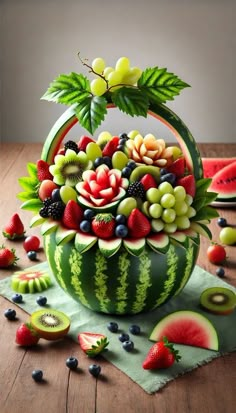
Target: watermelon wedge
{"x": 187, "y": 327}
{"x": 224, "y": 183}
{"x": 212, "y": 165}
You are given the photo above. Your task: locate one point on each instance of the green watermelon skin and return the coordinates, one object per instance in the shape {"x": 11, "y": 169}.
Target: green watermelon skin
{"x": 123, "y": 283}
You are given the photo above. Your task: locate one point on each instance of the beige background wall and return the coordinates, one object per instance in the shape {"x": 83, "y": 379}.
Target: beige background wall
{"x": 193, "y": 38}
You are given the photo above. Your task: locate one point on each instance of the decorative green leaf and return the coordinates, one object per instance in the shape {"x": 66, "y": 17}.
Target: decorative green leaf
{"x": 160, "y": 85}
{"x": 91, "y": 112}
{"x": 202, "y": 185}
{"x": 32, "y": 205}
{"x": 205, "y": 199}
{"x": 68, "y": 89}
{"x": 131, "y": 101}
{"x": 25, "y": 196}
{"x": 32, "y": 170}
{"x": 206, "y": 212}
{"x": 28, "y": 183}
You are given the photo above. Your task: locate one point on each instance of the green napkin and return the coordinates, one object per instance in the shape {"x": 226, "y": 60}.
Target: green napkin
{"x": 151, "y": 381}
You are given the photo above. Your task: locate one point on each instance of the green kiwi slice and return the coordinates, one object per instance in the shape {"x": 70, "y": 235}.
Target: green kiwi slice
{"x": 50, "y": 324}
{"x": 218, "y": 300}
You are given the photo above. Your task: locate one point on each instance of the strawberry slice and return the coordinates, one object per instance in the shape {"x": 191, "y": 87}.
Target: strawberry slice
{"x": 111, "y": 146}
{"x": 188, "y": 182}
{"x": 73, "y": 215}
{"x": 177, "y": 167}
{"x": 148, "y": 182}
{"x": 43, "y": 170}
{"x": 138, "y": 224}
{"x": 14, "y": 228}
{"x": 83, "y": 142}
{"x": 92, "y": 343}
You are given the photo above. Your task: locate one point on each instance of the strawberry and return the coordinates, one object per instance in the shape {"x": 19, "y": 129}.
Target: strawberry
{"x": 43, "y": 170}
{"x": 177, "y": 167}
{"x": 26, "y": 335}
{"x": 138, "y": 224}
{"x": 111, "y": 146}
{"x": 14, "y": 228}
{"x": 7, "y": 257}
{"x": 188, "y": 182}
{"x": 83, "y": 142}
{"x": 148, "y": 182}
{"x": 92, "y": 343}
{"x": 73, "y": 215}
{"x": 161, "y": 356}
{"x": 103, "y": 225}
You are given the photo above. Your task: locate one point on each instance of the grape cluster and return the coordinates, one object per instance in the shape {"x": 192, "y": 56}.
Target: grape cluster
{"x": 111, "y": 78}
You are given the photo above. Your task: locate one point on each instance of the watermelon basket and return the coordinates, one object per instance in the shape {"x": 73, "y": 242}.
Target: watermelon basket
{"x": 122, "y": 273}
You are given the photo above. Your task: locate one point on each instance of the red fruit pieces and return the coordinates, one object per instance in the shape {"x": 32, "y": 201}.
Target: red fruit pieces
{"x": 14, "y": 228}
{"x": 31, "y": 243}
{"x": 111, "y": 146}
{"x": 138, "y": 224}
{"x": 148, "y": 182}
{"x": 43, "y": 170}
{"x": 73, "y": 215}
{"x": 188, "y": 182}
{"x": 177, "y": 167}
{"x": 7, "y": 257}
{"x": 83, "y": 142}
{"x": 46, "y": 188}
{"x": 26, "y": 335}
{"x": 92, "y": 343}
{"x": 103, "y": 225}
{"x": 161, "y": 356}
{"x": 216, "y": 253}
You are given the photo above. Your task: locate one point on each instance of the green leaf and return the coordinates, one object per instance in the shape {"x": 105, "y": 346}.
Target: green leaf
{"x": 32, "y": 205}
{"x": 205, "y": 199}
{"x": 202, "y": 185}
{"x": 28, "y": 183}
{"x": 68, "y": 89}
{"x": 25, "y": 196}
{"x": 131, "y": 101}
{"x": 91, "y": 112}
{"x": 206, "y": 212}
{"x": 160, "y": 85}
{"x": 32, "y": 170}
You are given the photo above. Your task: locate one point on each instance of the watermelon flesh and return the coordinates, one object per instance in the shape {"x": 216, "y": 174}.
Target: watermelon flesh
{"x": 212, "y": 165}
{"x": 224, "y": 183}
{"x": 187, "y": 327}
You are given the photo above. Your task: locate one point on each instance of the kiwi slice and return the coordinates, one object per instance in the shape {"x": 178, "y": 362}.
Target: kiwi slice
{"x": 141, "y": 170}
{"x": 29, "y": 281}
{"x": 218, "y": 300}
{"x": 50, "y": 324}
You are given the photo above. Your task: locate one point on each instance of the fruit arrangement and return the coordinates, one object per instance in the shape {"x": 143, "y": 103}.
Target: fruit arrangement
{"x": 120, "y": 209}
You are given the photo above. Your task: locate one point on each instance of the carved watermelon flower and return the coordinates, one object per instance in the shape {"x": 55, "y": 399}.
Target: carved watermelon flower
{"x": 68, "y": 168}
{"x": 101, "y": 187}
{"x": 149, "y": 150}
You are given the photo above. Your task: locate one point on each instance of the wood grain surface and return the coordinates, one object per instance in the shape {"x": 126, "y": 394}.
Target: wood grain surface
{"x": 210, "y": 388}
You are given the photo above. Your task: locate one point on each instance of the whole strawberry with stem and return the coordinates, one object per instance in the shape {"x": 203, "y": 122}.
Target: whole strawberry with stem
{"x": 7, "y": 257}
{"x": 103, "y": 225}
{"x": 14, "y": 228}
{"x": 161, "y": 356}
{"x": 26, "y": 335}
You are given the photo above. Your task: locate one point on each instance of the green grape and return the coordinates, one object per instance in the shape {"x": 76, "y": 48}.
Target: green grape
{"x": 119, "y": 160}
{"x": 104, "y": 137}
{"x": 182, "y": 222}
{"x": 191, "y": 212}
{"x": 179, "y": 193}
{"x": 132, "y": 76}
{"x": 165, "y": 188}
{"x": 93, "y": 151}
{"x": 181, "y": 208}
{"x": 114, "y": 78}
{"x": 167, "y": 200}
{"x": 176, "y": 152}
{"x": 67, "y": 193}
{"x": 157, "y": 225}
{"x": 122, "y": 65}
{"x": 153, "y": 195}
{"x": 133, "y": 133}
{"x": 170, "y": 228}
{"x": 168, "y": 215}
{"x": 107, "y": 71}
{"x": 228, "y": 236}
{"x": 98, "y": 65}
{"x": 155, "y": 210}
{"x": 145, "y": 208}
{"x": 98, "y": 86}
{"x": 189, "y": 199}
{"x": 126, "y": 206}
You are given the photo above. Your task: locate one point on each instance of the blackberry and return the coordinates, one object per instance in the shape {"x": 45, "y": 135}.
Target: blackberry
{"x": 44, "y": 212}
{"x": 71, "y": 145}
{"x": 47, "y": 202}
{"x": 136, "y": 190}
{"x": 56, "y": 209}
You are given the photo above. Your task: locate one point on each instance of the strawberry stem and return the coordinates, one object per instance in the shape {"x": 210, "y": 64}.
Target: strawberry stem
{"x": 170, "y": 346}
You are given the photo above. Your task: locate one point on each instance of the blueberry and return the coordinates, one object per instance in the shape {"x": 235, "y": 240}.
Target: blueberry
{"x": 120, "y": 147}
{"x": 17, "y": 298}
{"x": 72, "y": 363}
{"x": 123, "y": 136}
{"x": 32, "y": 255}
{"x": 37, "y": 375}
{"x": 113, "y": 327}
{"x": 85, "y": 225}
{"x": 134, "y": 329}
{"x": 124, "y": 337}
{"x": 107, "y": 161}
{"x": 128, "y": 345}
{"x": 121, "y": 231}
{"x": 120, "y": 219}
{"x": 163, "y": 171}
{"x": 56, "y": 195}
{"x": 42, "y": 301}
{"x": 220, "y": 272}
{"x": 88, "y": 214}
{"x": 95, "y": 370}
{"x": 169, "y": 177}
{"x": 222, "y": 222}
{"x": 10, "y": 314}
{"x": 126, "y": 172}
{"x": 131, "y": 164}
{"x": 122, "y": 141}
{"x": 98, "y": 161}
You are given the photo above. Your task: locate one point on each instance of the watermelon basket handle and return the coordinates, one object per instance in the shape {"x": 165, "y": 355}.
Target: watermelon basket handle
{"x": 161, "y": 112}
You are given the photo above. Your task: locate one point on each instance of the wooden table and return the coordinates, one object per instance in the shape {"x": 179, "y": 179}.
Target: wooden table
{"x": 210, "y": 388}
